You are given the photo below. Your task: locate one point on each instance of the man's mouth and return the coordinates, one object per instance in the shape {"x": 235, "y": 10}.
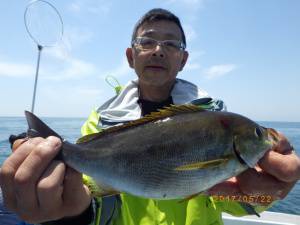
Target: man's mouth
{"x": 155, "y": 67}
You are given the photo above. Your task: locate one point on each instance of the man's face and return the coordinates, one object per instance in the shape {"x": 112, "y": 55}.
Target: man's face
{"x": 159, "y": 65}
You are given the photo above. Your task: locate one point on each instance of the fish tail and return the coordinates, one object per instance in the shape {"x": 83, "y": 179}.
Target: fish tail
{"x": 37, "y": 128}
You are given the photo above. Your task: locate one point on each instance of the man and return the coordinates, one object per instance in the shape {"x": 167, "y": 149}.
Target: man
{"x": 40, "y": 189}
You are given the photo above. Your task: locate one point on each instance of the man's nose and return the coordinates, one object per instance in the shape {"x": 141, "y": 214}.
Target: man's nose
{"x": 158, "y": 51}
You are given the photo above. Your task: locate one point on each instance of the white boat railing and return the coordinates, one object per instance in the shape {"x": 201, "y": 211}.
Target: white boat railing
{"x": 266, "y": 218}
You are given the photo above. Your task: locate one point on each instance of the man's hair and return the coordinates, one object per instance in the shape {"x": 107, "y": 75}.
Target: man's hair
{"x": 158, "y": 14}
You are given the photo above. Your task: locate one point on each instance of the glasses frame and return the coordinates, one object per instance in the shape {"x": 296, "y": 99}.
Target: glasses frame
{"x": 160, "y": 43}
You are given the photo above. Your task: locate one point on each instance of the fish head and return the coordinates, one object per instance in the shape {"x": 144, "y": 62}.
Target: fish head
{"x": 250, "y": 142}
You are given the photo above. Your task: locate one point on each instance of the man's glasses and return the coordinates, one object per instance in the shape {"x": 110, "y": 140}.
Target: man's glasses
{"x": 146, "y": 43}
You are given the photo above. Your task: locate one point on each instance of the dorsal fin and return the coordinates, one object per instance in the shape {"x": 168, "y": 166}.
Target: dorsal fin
{"x": 161, "y": 114}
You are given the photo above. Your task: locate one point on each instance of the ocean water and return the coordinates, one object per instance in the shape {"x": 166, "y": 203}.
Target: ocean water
{"x": 69, "y": 128}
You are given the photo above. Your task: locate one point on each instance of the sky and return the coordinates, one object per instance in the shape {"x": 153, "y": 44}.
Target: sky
{"x": 246, "y": 53}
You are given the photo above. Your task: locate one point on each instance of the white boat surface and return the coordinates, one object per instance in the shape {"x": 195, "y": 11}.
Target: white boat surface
{"x": 266, "y": 218}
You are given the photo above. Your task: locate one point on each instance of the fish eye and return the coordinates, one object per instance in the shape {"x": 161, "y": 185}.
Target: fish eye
{"x": 258, "y": 133}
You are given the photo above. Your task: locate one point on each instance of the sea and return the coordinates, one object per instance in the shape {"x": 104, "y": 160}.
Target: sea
{"x": 69, "y": 128}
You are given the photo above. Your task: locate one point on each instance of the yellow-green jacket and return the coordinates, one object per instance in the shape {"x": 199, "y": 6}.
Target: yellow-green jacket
{"x": 126, "y": 209}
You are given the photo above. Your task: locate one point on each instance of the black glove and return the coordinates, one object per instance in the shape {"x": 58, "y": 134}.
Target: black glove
{"x": 12, "y": 138}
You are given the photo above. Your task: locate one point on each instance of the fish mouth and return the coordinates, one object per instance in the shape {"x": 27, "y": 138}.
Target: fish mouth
{"x": 238, "y": 155}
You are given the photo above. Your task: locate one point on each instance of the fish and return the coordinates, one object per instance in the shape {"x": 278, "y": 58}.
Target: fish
{"x": 177, "y": 152}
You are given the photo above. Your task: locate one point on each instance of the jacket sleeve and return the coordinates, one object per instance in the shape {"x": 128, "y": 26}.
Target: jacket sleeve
{"x": 84, "y": 218}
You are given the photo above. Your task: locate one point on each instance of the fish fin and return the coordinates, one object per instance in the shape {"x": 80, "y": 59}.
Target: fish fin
{"x": 88, "y": 137}
{"x": 154, "y": 116}
{"x": 249, "y": 208}
{"x": 202, "y": 165}
{"x": 239, "y": 156}
{"x": 105, "y": 193}
{"x": 273, "y": 134}
{"x": 37, "y": 128}
{"x": 97, "y": 189}
{"x": 189, "y": 197}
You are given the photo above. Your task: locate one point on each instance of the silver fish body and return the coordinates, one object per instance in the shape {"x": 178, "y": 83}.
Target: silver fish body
{"x": 172, "y": 157}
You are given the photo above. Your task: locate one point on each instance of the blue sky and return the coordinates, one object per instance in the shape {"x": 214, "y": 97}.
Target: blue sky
{"x": 244, "y": 52}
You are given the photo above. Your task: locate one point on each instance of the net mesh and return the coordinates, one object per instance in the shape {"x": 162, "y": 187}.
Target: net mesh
{"x": 43, "y": 23}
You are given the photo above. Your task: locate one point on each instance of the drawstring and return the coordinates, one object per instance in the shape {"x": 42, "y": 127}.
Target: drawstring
{"x": 114, "y": 83}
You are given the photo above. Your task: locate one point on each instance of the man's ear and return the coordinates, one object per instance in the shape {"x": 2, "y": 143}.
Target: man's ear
{"x": 129, "y": 57}
{"x": 184, "y": 59}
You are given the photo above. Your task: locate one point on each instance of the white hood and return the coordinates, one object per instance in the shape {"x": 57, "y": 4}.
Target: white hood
{"x": 124, "y": 107}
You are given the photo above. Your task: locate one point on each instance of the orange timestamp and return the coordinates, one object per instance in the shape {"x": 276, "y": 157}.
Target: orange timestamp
{"x": 262, "y": 199}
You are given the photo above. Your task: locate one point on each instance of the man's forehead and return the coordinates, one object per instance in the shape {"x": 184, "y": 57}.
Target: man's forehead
{"x": 153, "y": 32}
{"x": 160, "y": 28}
